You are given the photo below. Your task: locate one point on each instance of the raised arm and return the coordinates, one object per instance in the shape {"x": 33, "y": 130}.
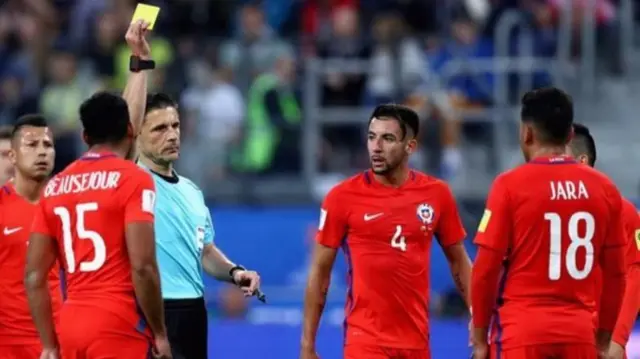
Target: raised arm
{"x": 135, "y": 91}
{"x": 41, "y": 256}
{"x": 331, "y": 232}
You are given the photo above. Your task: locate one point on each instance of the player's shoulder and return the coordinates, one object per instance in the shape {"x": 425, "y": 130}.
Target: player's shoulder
{"x": 186, "y": 182}
{"x": 355, "y": 182}
{"x": 426, "y": 180}
{"x": 7, "y": 193}
{"x": 629, "y": 208}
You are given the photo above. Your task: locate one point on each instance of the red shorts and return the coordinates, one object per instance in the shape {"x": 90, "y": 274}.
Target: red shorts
{"x": 359, "y": 351}
{"x": 560, "y": 351}
{"x": 32, "y": 351}
{"x": 100, "y": 336}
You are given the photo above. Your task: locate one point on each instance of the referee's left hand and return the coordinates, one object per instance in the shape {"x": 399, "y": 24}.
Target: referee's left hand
{"x": 247, "y": 280}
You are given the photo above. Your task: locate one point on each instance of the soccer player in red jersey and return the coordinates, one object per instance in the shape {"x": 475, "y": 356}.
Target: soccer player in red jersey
{"x": 32, "y": 155}
{"x": 583, "y": 148}
{"x": 385, "y": 220}
{"x": 551, "y": 226}
{"x": 96, "y": 217}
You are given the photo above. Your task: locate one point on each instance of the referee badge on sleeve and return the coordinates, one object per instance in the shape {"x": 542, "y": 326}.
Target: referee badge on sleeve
{"x": 148, "y": 200}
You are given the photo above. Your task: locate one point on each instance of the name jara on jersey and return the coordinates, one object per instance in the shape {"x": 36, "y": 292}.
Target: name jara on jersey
{"x": 567, "y": 190}
{"x": 76, "y": 183}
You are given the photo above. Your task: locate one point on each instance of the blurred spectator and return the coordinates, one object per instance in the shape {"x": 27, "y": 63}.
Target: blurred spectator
{"x": 253, "y": 50}
{"x": 60, "y": 102}
{"x": 316, "y": 18}
{"x": 345, "y": 42}
{"x": 14, "y": 100}
{"x": 397, "y": 64}
{"x": 214, "y": 112}
{"x": 272, "y": 132}
{"x": 102, "y": 48}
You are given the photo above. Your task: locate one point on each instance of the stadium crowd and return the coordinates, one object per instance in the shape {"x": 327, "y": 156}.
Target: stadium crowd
{"x": 217, "y": 58}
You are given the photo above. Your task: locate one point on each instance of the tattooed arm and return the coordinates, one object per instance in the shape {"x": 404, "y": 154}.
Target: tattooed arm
{"x": 460, "y": 266}
{"x": 316, "y": 293}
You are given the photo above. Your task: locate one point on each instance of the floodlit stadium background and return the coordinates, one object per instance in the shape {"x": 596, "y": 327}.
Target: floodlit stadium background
{"x": 461, "y": 64}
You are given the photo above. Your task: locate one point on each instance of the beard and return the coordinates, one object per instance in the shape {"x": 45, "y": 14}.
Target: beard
{"x": 385, "y": 169}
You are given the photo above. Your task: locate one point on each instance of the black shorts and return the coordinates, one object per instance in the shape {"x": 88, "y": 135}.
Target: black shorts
{"x": 187, "y": 326}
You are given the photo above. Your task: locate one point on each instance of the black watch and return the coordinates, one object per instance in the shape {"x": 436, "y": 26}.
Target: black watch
{"x": 234, "y": 269}
{"x": 136, "y": 64}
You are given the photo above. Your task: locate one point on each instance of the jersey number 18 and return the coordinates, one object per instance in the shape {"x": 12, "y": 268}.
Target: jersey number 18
{"x": 577, "y": 241}
{"x": 81, "y": 232}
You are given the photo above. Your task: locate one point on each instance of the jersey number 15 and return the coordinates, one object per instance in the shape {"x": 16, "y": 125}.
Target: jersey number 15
{"x": 81, "y": 232}
{"x": 576, "y": 241}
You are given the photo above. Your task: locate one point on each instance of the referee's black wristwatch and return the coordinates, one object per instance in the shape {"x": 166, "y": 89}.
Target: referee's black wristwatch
{"x": 136, "y": 64}
{"x": 233, "y": 270}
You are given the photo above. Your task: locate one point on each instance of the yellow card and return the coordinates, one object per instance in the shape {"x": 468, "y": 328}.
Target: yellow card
{"x": 147, "y": 13}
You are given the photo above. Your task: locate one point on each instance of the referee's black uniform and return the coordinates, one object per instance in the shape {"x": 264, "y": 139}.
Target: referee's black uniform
{"x": 187, "y": 327}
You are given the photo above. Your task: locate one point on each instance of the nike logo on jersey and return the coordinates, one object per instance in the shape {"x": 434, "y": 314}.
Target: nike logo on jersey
{"x": 369, "y": 217}
{"x": 9, "y": 231}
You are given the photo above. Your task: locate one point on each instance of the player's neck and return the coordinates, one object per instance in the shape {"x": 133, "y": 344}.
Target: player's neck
{"x": 549, "y": 151}
{"x": 28, "y": 188}
{"x": 107, "y": 148}
{"x": 161, "y": 169}
{"x": 394, "y": 178}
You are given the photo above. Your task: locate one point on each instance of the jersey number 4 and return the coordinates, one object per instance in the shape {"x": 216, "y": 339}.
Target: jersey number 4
{"x": 577, "y": 241}
{"x": 81, "y": 232}
{"x": 398, "y": 240}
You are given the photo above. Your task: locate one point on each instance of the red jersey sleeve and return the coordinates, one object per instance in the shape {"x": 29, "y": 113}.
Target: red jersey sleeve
{"x": 450, "y": 230}
{"x": 333, "y": 221}
{"x": 633, "y": 225}
{"x": 41, "y": 222}
{"x": 494, "y": 230}
{"x": 140, "y": 198}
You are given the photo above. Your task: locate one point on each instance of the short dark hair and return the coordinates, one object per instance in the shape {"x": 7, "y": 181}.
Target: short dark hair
{"x": 157, "y": 101}
{"x": 33, "y": 120}
{"x": 551, "y": 112}
{"x": 6, "y": 133}
{"x": 105, "y": 118}
{"x": 583, "y": 142}
{"x": 403, "y": 114}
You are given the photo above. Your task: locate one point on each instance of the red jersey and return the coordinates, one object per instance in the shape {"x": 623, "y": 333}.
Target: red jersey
{"x": 86, "y": 208}
{"x": 386, "y": 234}
{"x": 16, "y": 324}
{"x": 553, "y": 218}
{"x": 631, "y": 222}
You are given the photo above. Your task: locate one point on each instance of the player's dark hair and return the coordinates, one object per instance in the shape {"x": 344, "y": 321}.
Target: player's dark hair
{"x": 32, "y": 120}
{"x": 407, "y": 117}
{"x": 550, "y": 110}
{"x": 6, "y": 132}
{"x": 105, "y": 118}
{"x": 583, "y": 142}
{"x": 158, "y": 101}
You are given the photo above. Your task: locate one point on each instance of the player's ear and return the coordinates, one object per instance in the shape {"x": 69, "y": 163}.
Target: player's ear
{"x": 85, "y": 138}
{"x": 411, "y": 146}
{"x": 12, "y": 156}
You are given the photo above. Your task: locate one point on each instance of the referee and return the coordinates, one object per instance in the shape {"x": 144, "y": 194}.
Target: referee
{"x": 184, "y": 234}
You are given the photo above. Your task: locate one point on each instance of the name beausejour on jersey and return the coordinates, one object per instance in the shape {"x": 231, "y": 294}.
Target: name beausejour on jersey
{"x": 77, "y": 183}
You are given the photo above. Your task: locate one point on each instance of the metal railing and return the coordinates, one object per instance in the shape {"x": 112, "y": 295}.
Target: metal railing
{"x": 524, "y": 63}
